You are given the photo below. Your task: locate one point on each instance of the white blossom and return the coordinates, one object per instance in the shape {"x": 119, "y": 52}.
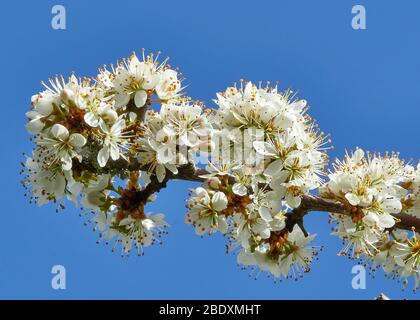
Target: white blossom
{"x": 114, "y": 143}
{"x": 204, "y": 211}
{"x": 62, "y": 145}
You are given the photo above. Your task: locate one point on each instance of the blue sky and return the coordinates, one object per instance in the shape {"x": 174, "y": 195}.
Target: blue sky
{"x": 363, "y": 88}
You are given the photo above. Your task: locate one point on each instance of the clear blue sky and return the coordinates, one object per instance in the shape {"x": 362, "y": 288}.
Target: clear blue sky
{"x": 363, "y": 88}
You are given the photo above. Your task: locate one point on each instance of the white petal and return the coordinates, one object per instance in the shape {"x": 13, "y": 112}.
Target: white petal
{"x": 165, "y": 154}
{"x": 358, "y": 155}
{"x": 121, "y": 99}
{"x": 93, "y": 199}
{"x": 44, "y": 106}
{"x": 300, "y": 104}
{"x": 67, "y": 162}
{"x": 91, "y": 119}
{"x": 246, "y": 259}
{"x": 104, "y": 127}
{"x": 103, "y": 156}
{"x": 148, "y": 223}
{"x": 352, "y": 198}
{"x": 59, "y": 131}
{"x": 371, "y": 219}
{"x": 265, "y": 214}
{"x": 59, "y": 185}
{"x": 114, "y": 152}
{"x": 392, "y": 205}
{"x": 132, "y": 116}
{"x": 140, "y": 98}
{"x": 110, "y": 116}
{"x": 279, "y": 178}
{"x": 274, "y": 168}
{"x": 262, "y": 229}
{"x": 34, "y": 126}
{"x": 160, "y": 172}
{"x": 219, "y": 201}
{"x": 386, "y": 220}
{"x": 118, "y": 126}
{"x": 77, "y": 140}
{"x": 222, "y": 225}
{"x": 239, "y": 189}
{"x": 264, "y": 148}
{"x": 292, "y": 201}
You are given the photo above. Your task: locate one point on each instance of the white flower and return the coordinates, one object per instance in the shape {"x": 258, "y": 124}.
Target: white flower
{"x": 291, "y": 258}
{"x": 188, "y": 123}
{"x": 128, "y": 231}
{"x": 35, "y": 123}
{"x": 264, "y": 108}
{"x": 298, "y": 255}
{"x": 114, "y": 143}
{"x": 63, "y": 98}
{"x": 259, "y": 257}
{"x": 359, "y": 240}
{"x": 159, "y": 152}
{"x": 134, "y": 77}
{"x": 251, "y": 228}
{"x": 43, "y": 105}
{"x": 204, "y": 211}
{"x": 47, "y": 181}
{"x": 411, "y": 185}
{"x": 172, "y": 136}
{"x": 62, "y": 144}
{"x": 169, "y": 85}
{"x": 142, "y": 231}
{"x": 406, "y": 254}
{"x": 220, "y": 168}
{"x": 99, "y": 108}
{"x": 95, "y": 192}
{"x": 381, "y": 221}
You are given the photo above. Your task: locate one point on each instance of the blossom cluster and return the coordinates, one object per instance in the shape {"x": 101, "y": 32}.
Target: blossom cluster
{"x": 273, "y": 155}
{"x": 111, "y": 142}
{"x": 373, "y": 188}
{"x": 87, "y": 133}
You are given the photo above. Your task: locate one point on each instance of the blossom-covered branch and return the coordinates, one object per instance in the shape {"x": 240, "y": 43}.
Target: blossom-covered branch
{"x": 309, "y": 203}
{"x": 112, "y": 142}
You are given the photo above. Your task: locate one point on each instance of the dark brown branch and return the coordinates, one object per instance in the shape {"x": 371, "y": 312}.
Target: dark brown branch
{"x": 309, "y": 202}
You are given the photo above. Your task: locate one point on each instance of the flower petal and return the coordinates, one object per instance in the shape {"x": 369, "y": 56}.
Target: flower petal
{"x": 77, "y": 140}
{"x": 59, "y": 131}
{"x": 34, "y": 126}
{"x": 114, "y": 152}
{"x": 352, "y": 198}
{"x": 140, "y": 98}
{"x": 121, "y": 99}
{"x": 91, "y": 119}
{"x": 219, "y": 201}
{"x": 239, "y": 189}
{"x": 160, "y": 172}
{"x": 264, "y": 148}
{"x": 103, "y": 156}
{"x": 265, "y": 214}
{"x": 274, "y": 168}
